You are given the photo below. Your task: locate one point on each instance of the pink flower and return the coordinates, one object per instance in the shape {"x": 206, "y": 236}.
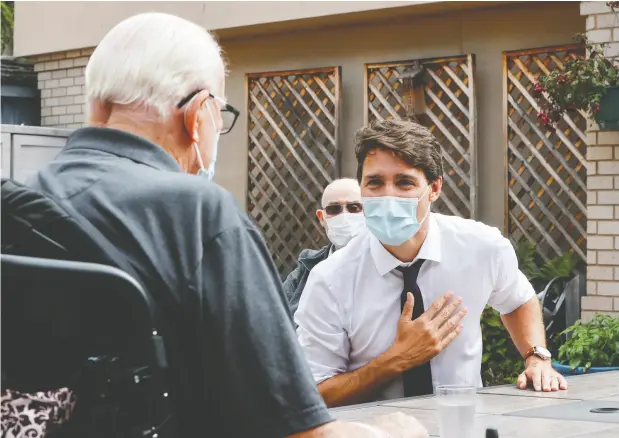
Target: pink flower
{"x": 542, "y": 118}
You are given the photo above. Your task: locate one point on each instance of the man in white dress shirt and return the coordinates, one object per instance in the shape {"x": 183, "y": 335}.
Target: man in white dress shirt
{"x": 396, "y": 312}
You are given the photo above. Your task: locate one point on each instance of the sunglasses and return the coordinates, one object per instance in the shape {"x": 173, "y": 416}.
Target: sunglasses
{"x": 351, "y": 207}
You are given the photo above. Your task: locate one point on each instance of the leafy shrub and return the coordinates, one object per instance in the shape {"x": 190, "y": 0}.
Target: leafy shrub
{"x": 591, "y": 344}
{"x": 7, "y": 24}
{"x": 539, "y": 272}
{"x": 500, "y": 362}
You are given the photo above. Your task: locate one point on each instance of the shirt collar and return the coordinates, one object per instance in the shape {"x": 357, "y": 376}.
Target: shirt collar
{"x": 430, "y": 249}
{"x": 123, "y": 144}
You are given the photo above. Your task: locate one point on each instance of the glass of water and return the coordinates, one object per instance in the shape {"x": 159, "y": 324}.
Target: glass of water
{"x": 456, "y": 410}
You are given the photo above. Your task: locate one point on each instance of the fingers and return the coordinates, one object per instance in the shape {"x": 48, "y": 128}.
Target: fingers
{"x": 407, "y": 310}
{"x": 536, "y": 378}
{"x": 451, "y": 324}
{"x": 449, "y": 309}
{"x": 554, "y": 383}
{"x": 437, "y": 306}
{"x": 543, "y": 378}
{"x": 546, "y": 378}
{"x": 562, "y": 381}
{"x": 449, "y": 337}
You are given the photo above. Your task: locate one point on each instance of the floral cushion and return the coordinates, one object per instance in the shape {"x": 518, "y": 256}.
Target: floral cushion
{"x": 35, "y": 415}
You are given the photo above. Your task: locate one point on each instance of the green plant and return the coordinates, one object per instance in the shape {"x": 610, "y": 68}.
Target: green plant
{"x": 500, "y": 362}
{"x": 7, "y": 24}
{"x": 595, "y": 343}
{"x": 580, "y": 86}
{"x": 562, "y": 266}
{"x": 540, "y": 273}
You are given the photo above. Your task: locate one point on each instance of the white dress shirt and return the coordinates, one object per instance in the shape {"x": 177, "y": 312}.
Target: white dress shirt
{"x": 349, "y": 310}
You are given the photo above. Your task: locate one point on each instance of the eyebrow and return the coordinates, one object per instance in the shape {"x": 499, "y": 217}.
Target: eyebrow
{"x": 398, "y": 175}
{"x": 406, "y": 175}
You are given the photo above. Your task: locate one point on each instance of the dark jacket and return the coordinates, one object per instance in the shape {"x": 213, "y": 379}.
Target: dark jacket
{"x": 295, "y": 282}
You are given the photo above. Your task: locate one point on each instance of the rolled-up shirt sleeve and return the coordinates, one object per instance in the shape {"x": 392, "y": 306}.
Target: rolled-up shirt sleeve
{"x": 511, "y": 287}
{"x": 320, "y": 331}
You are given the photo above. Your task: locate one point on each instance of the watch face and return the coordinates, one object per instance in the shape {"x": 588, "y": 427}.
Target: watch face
{"x": 543, "y": 352}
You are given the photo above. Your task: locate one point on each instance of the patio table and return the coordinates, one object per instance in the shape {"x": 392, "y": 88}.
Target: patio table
{"x": 516, "y": 413}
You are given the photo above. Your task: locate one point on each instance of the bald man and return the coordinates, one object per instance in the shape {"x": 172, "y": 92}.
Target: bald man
{"x": 342, "y": 218}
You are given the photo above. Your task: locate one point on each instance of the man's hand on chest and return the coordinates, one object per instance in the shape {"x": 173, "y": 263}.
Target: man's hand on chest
{"x": 417, "y": 341}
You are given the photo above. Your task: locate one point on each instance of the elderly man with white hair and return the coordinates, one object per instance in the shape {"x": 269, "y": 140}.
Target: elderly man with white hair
{"x": 141, "y": 173}
{"x": 342, "y": 218}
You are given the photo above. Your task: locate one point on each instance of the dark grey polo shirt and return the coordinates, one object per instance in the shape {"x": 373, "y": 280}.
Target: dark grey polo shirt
{"x": 240, "y": 370}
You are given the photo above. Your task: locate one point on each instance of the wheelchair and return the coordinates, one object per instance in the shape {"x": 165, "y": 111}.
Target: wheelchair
{"x": 75, "y": 322}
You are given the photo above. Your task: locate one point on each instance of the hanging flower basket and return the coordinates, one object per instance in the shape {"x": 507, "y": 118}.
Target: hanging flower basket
{"x": 607, "y": 117}
{"x": 588, "y": 83}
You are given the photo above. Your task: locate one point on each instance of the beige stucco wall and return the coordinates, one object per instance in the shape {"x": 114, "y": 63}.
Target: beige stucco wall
{"x": 61, "y": 25}
{"x": 486, "y": 33}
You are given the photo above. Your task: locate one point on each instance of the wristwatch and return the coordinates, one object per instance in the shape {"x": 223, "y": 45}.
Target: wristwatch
{"x": 540, "y": 352}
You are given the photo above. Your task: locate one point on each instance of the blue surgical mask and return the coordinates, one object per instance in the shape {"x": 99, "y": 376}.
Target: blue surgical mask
{"x": 210, "y": 172}
{"x": 391, "y": 219}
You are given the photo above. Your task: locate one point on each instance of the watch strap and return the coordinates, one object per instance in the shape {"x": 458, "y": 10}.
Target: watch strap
{"x": 530, "y": 352}
{"x": 541, "y": 352}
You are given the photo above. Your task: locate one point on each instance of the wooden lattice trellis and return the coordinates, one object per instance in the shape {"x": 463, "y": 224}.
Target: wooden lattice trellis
{"x": 547, "y": 191}
{"x": 293, "y": 155}
{"x": 450, "y": 115}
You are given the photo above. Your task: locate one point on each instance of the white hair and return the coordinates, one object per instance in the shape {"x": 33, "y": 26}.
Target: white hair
{"x": 154, "y": 60}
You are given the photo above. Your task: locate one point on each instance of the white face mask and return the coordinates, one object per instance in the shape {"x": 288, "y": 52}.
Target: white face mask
{"x": 343, "y": 227}
{"x": 210, "y": 172}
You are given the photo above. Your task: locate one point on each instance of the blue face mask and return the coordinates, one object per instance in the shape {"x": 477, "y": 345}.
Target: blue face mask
{"x": 393, "y": 220}
{"x": 210, "y": 172}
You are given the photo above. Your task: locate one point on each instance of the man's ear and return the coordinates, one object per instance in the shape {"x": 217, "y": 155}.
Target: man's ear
{"x": 436, "y": 188}
{"x": 192, "y": 113}
{"x": 321, "y": 217}
{"x": 99, "y": 112}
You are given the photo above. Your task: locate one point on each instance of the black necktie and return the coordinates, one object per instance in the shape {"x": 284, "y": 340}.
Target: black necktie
{"x": 417, "y": 380}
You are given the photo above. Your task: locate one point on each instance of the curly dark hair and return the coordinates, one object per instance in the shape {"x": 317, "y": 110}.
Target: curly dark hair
{"x": 409, "y": 141}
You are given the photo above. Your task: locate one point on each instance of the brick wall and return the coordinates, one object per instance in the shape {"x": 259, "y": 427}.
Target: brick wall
{"x": 61, "y": 81}
{"x": 602, "y": 184}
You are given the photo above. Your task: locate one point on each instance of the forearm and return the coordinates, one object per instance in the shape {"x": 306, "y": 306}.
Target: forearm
{"x": 359, "y": 385}
{"x": 526, "y": 326}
